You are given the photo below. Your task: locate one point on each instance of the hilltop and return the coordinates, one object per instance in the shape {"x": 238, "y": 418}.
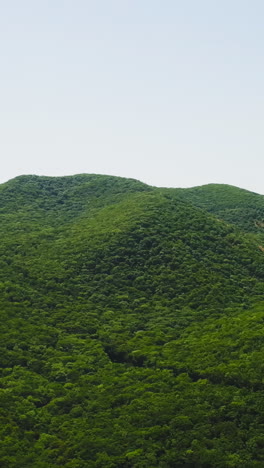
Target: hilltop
{"x": 237, "y": 206}
{"x": 131, "y": 324}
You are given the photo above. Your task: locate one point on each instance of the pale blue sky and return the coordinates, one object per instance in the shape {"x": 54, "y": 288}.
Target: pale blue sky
{"x": 169, "y": 92}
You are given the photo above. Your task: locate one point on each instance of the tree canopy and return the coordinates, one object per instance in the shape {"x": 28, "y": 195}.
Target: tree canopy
{"x": 131, "y": 324}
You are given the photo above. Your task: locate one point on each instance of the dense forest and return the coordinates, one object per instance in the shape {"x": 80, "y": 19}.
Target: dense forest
{"x": 132, "y": 325}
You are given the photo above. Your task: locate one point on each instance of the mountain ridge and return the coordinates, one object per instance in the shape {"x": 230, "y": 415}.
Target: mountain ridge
{"x": 131, "y": 324}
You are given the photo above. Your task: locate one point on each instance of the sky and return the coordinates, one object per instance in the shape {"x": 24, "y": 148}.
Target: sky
{"x": 168, "y": 92}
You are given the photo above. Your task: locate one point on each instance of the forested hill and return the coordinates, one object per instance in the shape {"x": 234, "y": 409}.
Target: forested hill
{"x": 131, "y": 324}
{"x": 240, "y": 207}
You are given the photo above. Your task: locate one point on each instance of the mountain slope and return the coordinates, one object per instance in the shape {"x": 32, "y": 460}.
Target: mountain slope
{"x": 237, "y": 206}
{"x": 124, "y": 308}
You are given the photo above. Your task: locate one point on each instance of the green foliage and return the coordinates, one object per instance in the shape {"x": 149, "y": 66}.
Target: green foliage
{"x": 131, "y": 325}
{"x": 236, "y": 206}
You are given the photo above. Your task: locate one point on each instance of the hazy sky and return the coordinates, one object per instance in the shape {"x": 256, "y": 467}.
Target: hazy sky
{"x": 169, "y": 92}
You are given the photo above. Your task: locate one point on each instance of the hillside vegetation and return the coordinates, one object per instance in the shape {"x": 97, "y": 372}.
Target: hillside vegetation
{"x": 132, "y": 324}
{"x": 237, "y": 206}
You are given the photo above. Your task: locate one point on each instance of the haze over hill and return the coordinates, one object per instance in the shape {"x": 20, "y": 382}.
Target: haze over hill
{"x": 132, "y": 324}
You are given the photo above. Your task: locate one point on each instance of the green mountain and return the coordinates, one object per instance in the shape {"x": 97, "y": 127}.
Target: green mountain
{"x": 131, "y": 324}
{"x": 237, "y": 206}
